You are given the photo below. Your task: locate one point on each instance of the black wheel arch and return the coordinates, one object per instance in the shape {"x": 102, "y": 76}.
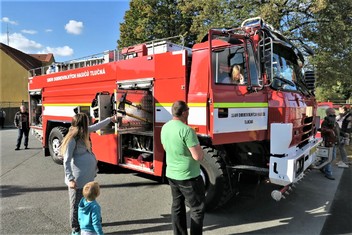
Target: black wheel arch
{"x": 52, "y": 124}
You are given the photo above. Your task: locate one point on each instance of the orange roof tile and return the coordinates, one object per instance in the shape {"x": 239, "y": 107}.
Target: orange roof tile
{"x": 43, "y": 57}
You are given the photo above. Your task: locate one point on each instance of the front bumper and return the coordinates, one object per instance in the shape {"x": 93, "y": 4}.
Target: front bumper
{"x": 287, "y": 164}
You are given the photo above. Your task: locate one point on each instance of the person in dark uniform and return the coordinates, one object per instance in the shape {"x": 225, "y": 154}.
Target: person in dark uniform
{"x": 2, "y": 117}
{"x": 22, "y": 123}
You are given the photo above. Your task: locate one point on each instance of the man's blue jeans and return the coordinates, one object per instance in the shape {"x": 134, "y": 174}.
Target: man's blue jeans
{"x": 191, "y": 192}
{"x": 24, "y": 131}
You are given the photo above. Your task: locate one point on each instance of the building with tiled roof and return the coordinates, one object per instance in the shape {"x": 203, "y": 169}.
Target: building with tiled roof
{"x": 45, "y": 58}
{"x": 14, "y": 66}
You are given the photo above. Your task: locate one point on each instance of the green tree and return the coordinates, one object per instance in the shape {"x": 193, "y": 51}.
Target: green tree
{"x": 147, "y": 20}
{"x": 332, "y": 36}
{"x": 216, "y": 14}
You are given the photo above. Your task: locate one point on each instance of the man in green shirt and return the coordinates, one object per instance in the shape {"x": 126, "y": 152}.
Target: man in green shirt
{"x": 183, "y": 153}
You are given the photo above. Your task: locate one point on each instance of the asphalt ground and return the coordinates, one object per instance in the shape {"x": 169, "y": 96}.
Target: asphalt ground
{"x": 340, "y": 219}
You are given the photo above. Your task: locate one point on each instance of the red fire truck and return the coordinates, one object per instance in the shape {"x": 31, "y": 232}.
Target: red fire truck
{"x": 264, "y": 126}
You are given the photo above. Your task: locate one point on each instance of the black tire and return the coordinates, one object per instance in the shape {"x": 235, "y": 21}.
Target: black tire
{"x": 214, "y": 174}
{"x": 55, "y": 139}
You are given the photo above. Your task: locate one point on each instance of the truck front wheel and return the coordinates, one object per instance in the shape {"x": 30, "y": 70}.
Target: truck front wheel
{"x": 55, "y": 139}
{"x": 214, "y": 174}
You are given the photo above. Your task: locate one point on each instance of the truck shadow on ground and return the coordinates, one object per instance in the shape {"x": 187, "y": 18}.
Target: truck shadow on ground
{"x": 14, "y": 190}
{"x": 255, "y": 212}
{"x": 165, "y": 221}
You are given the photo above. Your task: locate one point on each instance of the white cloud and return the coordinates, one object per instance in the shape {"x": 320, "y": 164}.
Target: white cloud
{"x": 7, "y": 20}
{"x": 74, "y": 27}
{"x": 28, "y": 31}
{"x": 58, "y": 51}
{"x": 28, "y": 46}
{"x": 20, "y": 42}
{"x": 48, "y": 30}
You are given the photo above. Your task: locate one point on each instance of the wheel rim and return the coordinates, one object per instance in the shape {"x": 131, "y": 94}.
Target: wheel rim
{"x": 56, "y": 146}
{"x": 204, "y": 176}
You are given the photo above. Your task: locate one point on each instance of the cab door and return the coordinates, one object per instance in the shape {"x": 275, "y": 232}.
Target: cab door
{"x": 239, "y": 110}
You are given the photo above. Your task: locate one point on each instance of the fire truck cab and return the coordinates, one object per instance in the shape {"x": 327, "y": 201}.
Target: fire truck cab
{"x": 263, "y": 125}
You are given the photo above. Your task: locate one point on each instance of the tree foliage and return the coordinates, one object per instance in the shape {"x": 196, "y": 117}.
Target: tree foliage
{"x": 333, "y": 37}
{"x": 325, "y": 25}
{"x": 147, "y": 20}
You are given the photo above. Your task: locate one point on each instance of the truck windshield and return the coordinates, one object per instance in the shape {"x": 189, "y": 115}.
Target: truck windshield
{"x": 287, "y": 74}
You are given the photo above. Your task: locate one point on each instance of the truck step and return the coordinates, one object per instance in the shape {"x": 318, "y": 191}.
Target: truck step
{"x": 249, "y": 168}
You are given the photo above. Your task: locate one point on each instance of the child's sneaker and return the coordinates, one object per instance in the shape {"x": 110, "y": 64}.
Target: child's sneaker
{"x": 342, "y": 165}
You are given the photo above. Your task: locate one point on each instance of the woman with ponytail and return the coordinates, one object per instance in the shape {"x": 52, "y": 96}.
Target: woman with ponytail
{"x": 80, "y": 164}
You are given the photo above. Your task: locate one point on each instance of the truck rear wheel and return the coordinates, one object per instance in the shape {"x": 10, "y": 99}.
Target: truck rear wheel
{"x": 55, "y": 139}
{"x": 214, "y": 175}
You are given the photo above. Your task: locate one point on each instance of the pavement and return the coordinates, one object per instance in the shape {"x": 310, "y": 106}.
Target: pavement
{"x": 340, "y": 219}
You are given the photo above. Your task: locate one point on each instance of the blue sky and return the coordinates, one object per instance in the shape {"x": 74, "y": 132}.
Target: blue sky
{"x": 68, "y": 29}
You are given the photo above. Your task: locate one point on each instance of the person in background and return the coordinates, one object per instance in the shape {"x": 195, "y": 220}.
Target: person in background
{"x": 2, "y": 117}
{"x": 89, "y": 211}
{"x": 80, "y": 164}
{"x": 21, "y": 122}
{"x": 330, "y": 132}
{"x": 183, "y": 153}
{"x": 344, "y": 119}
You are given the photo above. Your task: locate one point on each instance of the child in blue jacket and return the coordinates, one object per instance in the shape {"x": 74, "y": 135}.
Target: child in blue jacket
{"x": 89, "y": 212}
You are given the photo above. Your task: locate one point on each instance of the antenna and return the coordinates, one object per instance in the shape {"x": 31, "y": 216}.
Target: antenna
{"x": 7, "y": 33}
